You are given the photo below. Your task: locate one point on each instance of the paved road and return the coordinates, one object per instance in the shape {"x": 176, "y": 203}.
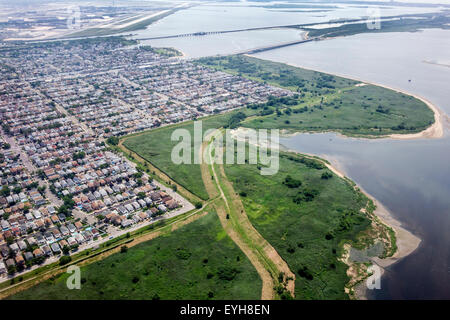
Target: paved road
{"x": 31, "y": 168}
{"x": 111, "y": 230}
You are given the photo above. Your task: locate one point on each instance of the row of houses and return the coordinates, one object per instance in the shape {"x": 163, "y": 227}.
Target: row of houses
{"x": 56, "y": 112}
{"x": 58, "y": 173}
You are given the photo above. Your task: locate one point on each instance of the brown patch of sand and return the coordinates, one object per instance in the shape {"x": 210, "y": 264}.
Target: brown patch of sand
{"x": 256, "y": 237}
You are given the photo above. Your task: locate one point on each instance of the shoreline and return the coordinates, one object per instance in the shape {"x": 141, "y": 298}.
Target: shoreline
{"x": 183, "y": 55}
{"x": 434, "y": 131}
{"x": 406, "y": 242}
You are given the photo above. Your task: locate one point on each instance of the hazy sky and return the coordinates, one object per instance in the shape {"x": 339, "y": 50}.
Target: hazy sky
{"x": 5, "y": 2}
{"x": 411, "y": 1}
{"x": 420, "y": 1}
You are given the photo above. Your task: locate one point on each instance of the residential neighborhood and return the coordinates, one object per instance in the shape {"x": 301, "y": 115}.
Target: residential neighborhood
{"x": 63, "y": 188}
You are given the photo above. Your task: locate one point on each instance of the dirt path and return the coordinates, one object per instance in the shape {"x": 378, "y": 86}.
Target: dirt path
{"x": 234, "y": 219}
{"x": 28, "y": 283}
{"x": 267, "y": 292}
{"x": 222, "y": 208}
{"x": 256, "y": 237}
{"x": 207, "y": 175}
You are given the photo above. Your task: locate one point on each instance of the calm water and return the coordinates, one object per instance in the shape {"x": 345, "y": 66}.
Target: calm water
{"x": 229, "y": 43}
{"x": 411, "y": 178}
{"x": 232, "y": 16}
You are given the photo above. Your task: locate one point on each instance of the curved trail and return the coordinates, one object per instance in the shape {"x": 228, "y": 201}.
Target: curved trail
{"x": 212, "y": 187}
{"x": 230, "y": 210}
{"x": 256, "y": 237}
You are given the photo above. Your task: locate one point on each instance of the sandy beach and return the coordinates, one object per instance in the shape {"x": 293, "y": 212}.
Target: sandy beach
{"x": 436, "y": 130}
{"x": 407, "y": 242}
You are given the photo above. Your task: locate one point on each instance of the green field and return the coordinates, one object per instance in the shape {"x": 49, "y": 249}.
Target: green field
{"x": 326, "y": 102}
{"x": 197, "y": 261}
{"x": 156, "y": 146}
{"x": 306, "y": 223}
{"x": 304, "y": 216}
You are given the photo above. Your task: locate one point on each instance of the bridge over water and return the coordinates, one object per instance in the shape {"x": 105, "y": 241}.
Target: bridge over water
{"x": 276, "y": 46}
{"x": 207, "y": 33}
{"x": 247, "y": 51}
{"x": 289, "y": 26}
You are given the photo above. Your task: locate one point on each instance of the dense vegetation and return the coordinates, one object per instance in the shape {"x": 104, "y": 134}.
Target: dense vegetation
{"x": 325, "y": 102}
{"x": 322, "y": 102}
{"x": 304, "y": 211}
{"x": 305, "y": 217}
{"x": 197, "y": 261}
{"x": 168, "y": 52}
{"x": 282, "y": 75}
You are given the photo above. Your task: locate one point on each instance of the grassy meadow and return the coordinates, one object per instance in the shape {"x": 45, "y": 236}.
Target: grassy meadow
{"x": 327, "y": 102}
{"x": 324, "y": 103}
{"x": 156, "y": 146}
{"x": 197, "y": 261}
{"x": 306, "y": 213}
